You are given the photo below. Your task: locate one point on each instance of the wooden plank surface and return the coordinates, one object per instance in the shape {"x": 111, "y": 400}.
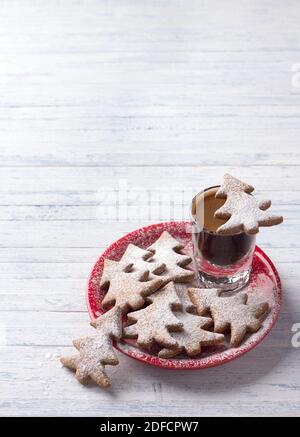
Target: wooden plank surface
{"x": 164, "y": 96}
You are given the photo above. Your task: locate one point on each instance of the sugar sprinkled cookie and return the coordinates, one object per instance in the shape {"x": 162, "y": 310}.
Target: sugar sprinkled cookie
{"x": 154, "y": 323}
{"x": 127, "y": 287}
{"x": 193, "y": 336}
{"x": 137, "y": 259}
{"x": 243, "y": 211}
{"x": 167, "y": 250}
{"x": 229, "y": 313}
{"x": 96, "y": 351}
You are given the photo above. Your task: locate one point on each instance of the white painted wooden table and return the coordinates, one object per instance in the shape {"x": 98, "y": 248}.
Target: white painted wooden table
{"x": 158, "y": 93}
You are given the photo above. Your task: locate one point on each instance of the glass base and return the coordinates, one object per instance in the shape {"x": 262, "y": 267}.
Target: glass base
{"x": 226, "y": 283}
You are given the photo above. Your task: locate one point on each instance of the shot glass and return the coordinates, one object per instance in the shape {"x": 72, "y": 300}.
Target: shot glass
{"x": 221, "y": 261}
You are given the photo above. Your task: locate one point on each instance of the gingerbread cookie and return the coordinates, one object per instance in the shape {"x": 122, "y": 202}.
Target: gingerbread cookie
{"x": 229, "y": 312}
{"x": 192, "y": 337}
{"x": 154, "y": 323}
{"x": 167, "y": 251}
{"x": 137, "y": 259}
{"x": 243, "y": 211}
{"x": 96, "y": 351}
{"x": 127, "y": 286}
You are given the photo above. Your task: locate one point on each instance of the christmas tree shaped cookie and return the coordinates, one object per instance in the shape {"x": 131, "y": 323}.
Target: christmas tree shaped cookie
{"x": 243, "y": 211}
{"x": 231, "y": 313}
{"x": 127, "y": 286}
{"x": 137, "y": 259}
{"x": 96, "y": 351}
{"x": 154, "y": 323}
{"x": 167, "y": 251}
{"x": 192, "y": 337}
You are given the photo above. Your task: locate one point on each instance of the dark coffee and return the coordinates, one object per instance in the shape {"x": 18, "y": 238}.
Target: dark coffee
{"x": 217, "y": 249}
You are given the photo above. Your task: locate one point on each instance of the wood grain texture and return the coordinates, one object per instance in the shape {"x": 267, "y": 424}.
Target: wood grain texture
{"x": 163, "y": 95}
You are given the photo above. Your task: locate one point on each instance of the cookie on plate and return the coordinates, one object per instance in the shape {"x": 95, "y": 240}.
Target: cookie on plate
{"x": 154, "y": 323}
{"x": 229, "y": 313}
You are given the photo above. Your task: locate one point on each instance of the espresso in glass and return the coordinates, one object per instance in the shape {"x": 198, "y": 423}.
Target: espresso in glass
{"x": 223, "y": 261}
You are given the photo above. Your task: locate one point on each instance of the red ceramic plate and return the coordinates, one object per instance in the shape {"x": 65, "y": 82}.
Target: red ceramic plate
{"x": 264, "y": 285}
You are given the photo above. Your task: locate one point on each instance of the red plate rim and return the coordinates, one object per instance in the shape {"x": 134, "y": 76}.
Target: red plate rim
{"x": 188, "y": 363}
